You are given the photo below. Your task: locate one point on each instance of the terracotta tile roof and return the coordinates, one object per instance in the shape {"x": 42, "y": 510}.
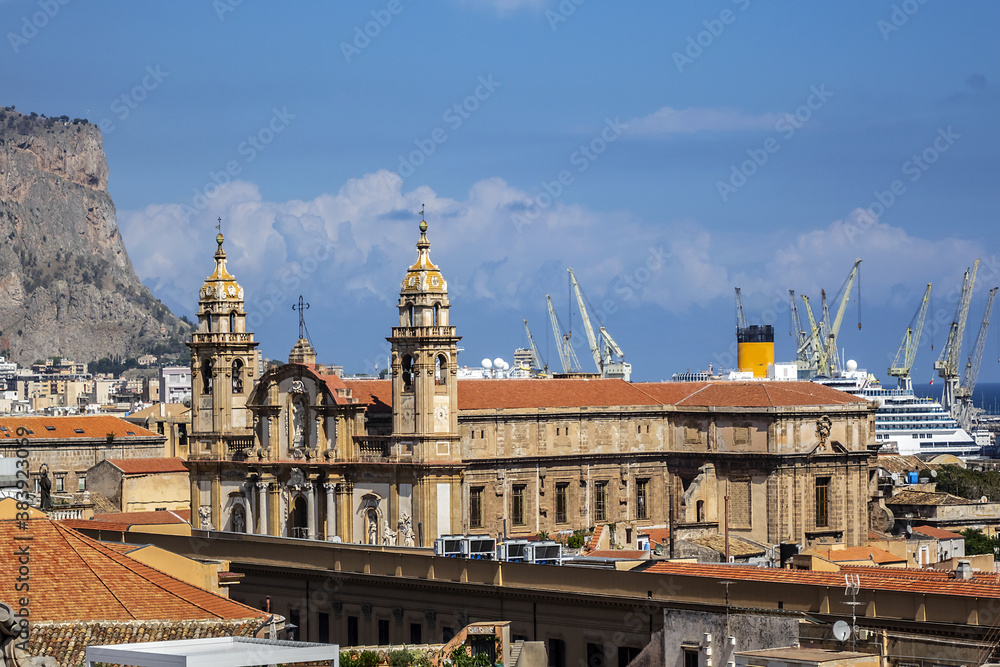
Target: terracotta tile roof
{"x": 758, "y": 394}
{"x": 146, "y": 518}
{"x": 75, "y": 578}
{"x": 656, "y": 535}
{"x": 873, "y": 554}
{"x": 63, "y": 428}
{"x": 149, "y": 466}
{"x": 594, "y": 540}
{"x": 927, "y": 498}
{"x": 902, "y": 464}
{"x": 937, "y": 533}
{"x": 871, "y": 578}
{"x": 574, "y": 393}
{"x": 376, "y": 394}
{"x": 542, "y": 393}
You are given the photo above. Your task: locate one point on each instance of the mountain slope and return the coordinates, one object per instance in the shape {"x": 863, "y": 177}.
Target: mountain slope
{"x": 67, "y": 286}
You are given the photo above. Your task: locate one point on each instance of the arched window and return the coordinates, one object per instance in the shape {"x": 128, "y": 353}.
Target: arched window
{"x": 407, "y": 373}
{"x": 437, "y": 314}
{"x": 232, "y": 322}
{"x": 238, "y": 376}
{"x": 206, "y": 376}
{"x": 409, "y": 316}
{"x": 208, "y": 322}
{"x": 699, "y": 510}
{"x": 440, "y": 370}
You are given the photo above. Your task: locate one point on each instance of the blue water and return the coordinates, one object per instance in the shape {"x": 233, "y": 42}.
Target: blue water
{"x": 986, "y": 394}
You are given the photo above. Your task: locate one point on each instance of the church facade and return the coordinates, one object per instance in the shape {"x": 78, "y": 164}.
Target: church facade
{"x": 304, "y": 453}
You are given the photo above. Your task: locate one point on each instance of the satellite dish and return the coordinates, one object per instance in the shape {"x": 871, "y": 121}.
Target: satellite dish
{"x": 933, "y": 474}
{"x": 487, "y": 363}
{"x": 895, "y": 477}
{"x": 841, "y": 630}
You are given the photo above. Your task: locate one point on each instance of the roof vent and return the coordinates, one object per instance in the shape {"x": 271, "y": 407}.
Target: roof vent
{"x": 964, "y": 570}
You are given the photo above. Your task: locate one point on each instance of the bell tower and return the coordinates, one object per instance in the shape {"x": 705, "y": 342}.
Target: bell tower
{"x": 425, "y": 365}
{"x": 223, "y": 368}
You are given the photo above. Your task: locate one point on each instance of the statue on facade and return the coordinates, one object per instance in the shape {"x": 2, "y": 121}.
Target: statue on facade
{"x": 298, "y": 424}
{"x": 45, "y": 489}
{"x": 205, "y": 514}
{"x": 406, "y": 530}
{"x": 388, "y": 536}
{"x": 372, "y": 527}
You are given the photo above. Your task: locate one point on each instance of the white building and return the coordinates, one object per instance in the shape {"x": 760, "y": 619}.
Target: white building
{"x": 175, "y": 384}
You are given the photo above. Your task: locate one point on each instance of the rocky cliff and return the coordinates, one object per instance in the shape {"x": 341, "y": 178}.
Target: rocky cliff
{"x": 67, "y": 287}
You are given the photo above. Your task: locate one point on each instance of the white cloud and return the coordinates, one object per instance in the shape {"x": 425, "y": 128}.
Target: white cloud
{"x": 669, "y": 121}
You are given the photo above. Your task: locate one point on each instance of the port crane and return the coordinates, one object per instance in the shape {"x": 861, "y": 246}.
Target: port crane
{"x": 608, "y": 356}
{"x": 567, "y": 355}
{"x": 536, "y": 358}
{"x": 947, "y": 363}
{"x": 820, "y": 347}
{"x": 966, "y": 411}
{"x": 903, "y": 362}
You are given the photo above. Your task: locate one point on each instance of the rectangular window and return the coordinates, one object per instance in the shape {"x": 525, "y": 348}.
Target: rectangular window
{"x": 81, "y": 481}
{"x": 60, "y": 483}
{"x": 517, "y": 505}
{"x": 447, "y": 633}
{"x": 476, "y": 494}
{"x": 352, "y": 630}
{"x": 595, "y": 655}
{"x": 642, "y": 499}
{"x": 690, "y": 657}
{"x": 383, "y": 632}
{"x": 562, "y": 502}
{"x": 293, "y": 620}
{"x": 415, "y": 634}
{"x": 627, "y": 654}
{"x": 324, "y": 627}
{"x": 557, "y": 652}
{"x": 822, "y": 502}
{"x": 601, "y": 501}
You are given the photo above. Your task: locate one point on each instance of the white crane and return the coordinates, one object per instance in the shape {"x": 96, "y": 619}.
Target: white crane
{"x": 603, "y": 347}
{"x": 567, "y": 355}
{"x": 901, "y": 365}
{"x": 947, "y": 363}
{"x": 831, "y": 334}
{"x": 536, "y": 358}
{"x": 966, "y": 411}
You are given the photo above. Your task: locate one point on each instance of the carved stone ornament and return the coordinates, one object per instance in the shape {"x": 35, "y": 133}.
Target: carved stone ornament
{"x": 205, "y": 515}
{"x": 297, "y": 387}
{"x": 296, "y": 480}
{"x": 823, "y": 426}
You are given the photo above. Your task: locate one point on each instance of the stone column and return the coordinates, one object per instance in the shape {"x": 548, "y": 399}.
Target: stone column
{"x": 311, "y": 510}
{"x": 216, "y": 503}
{"x": 331, "y": 510}
{"x": 273, "y": 508}
{"x": 260, "y": 517}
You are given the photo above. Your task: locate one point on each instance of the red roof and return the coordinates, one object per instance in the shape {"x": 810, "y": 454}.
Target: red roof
{"x": 871, "y": 578}
{"x": 873, "y": 554}
{"x": 75, "y": 578}
{"x": 576, "y": 393}
{"x": 149, "y": 466}
{"x": 937, "y": 533}
{"x": 63, "y": 428}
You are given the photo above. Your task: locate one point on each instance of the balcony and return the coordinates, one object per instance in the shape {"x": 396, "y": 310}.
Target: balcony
{"x": 221, "y": 337}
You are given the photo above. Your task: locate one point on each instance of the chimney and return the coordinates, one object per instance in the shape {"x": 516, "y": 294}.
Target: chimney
{"x": 964, "y": 570}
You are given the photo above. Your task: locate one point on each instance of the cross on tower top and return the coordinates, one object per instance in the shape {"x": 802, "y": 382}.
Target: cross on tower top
{"x": 301, "y": 307}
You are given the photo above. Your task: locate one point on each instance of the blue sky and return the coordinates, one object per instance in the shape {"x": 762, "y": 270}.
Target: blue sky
{"x": 701, "y": 146}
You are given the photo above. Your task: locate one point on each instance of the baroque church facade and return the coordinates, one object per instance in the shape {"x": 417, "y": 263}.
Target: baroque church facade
{"x": 300, "y": 452}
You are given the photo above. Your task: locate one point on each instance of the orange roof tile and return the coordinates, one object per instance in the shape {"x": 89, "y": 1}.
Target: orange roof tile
{"x": 937, "y": 533}
{"x": 376, "y": 394}
{"x": 62, "y": 428}
{"x": 575, "y": 393}
{"x": 149, "y": 466}
{"x": 871, "y": 578}
{"x": 873, "y": 554}
{"x": 927, "y": 498}
{"x": 76, "y": 578}
{"x": 656, "y": 535}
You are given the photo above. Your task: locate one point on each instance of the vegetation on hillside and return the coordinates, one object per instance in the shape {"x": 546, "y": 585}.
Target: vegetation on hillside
{"x": 971, "y": 484}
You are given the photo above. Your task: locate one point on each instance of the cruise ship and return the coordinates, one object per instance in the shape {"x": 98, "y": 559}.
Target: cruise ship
{"x": 905, "y": 422}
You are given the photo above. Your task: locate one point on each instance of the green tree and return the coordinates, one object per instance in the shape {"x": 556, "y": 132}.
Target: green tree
{"x": 977, "y": 543}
